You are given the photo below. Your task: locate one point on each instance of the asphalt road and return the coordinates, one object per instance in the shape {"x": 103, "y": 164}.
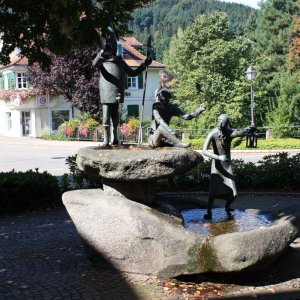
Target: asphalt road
{"x": 25, "y": 153}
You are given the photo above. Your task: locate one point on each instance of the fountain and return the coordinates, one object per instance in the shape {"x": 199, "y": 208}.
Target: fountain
{"x": 128, "y": 225}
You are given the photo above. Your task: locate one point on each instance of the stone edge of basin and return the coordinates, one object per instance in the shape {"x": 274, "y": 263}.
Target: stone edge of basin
{"x": 141, "y": 165}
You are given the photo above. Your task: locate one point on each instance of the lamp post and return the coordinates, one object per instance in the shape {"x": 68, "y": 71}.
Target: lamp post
{"x": 251, "y": 141}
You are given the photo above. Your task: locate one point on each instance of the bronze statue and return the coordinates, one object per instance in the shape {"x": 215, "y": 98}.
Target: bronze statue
{"x": 222, "y": 183}
{"x": 112, "y": 83}
{"x": 162, "y": 111}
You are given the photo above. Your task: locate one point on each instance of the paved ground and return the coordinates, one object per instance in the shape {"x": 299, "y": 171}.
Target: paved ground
{"x": 41, "y": 257}
{"x": 25, "y": 153}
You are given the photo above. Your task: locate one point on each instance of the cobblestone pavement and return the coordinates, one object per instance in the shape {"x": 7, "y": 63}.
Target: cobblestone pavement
{"x": 41, "y": 257}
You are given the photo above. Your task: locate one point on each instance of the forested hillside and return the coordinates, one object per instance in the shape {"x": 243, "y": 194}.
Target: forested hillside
{"x": 206, "y": 51}
{"x": 163, "y": 17}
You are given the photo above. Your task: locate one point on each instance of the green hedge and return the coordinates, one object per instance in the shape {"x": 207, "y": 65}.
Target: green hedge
{"x": 80, "y": 179}
{"x": 30, "y": 190}
{"x": 278, "y": 172}
{"x": 240, "y": 144}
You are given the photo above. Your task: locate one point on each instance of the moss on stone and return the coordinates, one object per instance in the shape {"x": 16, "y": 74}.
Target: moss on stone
{"x": 202, "y": 259}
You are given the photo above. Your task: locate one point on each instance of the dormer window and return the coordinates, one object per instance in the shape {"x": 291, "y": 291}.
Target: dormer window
{"x": 22, "y": 81}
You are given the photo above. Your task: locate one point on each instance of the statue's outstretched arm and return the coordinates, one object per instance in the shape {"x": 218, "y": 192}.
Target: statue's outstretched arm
{"x": 138, "y": 70}
{"x": 190, "y": 116}
{"x": 238, "y": 133}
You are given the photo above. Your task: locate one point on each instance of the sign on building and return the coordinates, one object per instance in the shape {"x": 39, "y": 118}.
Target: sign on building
{"x": 42, "y": 101}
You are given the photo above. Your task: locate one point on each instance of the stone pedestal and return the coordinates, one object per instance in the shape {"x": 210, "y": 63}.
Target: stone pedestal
{"x": 141, "y": 191}
{"x": 133, "y": 174}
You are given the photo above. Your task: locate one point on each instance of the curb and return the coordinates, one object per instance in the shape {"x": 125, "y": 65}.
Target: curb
{"x": 239, "y": 193}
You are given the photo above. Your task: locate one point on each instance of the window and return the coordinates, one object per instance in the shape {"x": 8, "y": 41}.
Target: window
{"x": 132, "y": 82}
{"x": 22, "y": 81}
{"x": 11, "y": 80}
{"x": 59, "y": 117}
{"x": 8, "y": 120}
{"x": 133, "y": 111}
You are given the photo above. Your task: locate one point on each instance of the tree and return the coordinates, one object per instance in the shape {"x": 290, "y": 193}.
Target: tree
{"x": 294, "y": 47}
{"x": 272, "y": 39}
{"x": 73, "y": 77}
{"x": 287, "y": 112}
{"x": 58, "y": 25}
{"x": 207, "y": 52}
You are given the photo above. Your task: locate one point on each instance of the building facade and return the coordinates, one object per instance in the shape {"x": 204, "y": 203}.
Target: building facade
{"x": 24, "y": 111}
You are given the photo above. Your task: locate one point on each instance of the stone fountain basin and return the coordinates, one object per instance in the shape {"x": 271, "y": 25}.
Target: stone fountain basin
{"x": 137, "y": 164}
{"x": 139, "y": 239}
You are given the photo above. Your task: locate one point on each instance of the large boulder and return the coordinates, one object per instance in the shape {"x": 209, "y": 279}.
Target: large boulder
{"x": 132, "y": 236}
{"x": 136, "y": 238}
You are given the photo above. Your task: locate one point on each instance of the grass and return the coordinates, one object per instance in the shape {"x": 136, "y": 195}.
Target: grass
{"x": 270, "y": 144}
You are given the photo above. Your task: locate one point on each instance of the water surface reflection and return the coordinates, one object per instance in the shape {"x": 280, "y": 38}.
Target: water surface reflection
{"x": 240, "y": 221}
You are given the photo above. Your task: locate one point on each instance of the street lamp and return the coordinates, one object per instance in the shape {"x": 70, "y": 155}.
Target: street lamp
{"x": 251, "y": 141}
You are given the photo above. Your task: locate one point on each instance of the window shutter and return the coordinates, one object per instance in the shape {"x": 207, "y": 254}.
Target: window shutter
{"x": 11, "y": 80}
{"x": 141, "y": 81}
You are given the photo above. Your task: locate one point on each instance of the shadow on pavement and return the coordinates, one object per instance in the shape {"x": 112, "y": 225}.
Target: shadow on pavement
{"x": 41, "y": 257}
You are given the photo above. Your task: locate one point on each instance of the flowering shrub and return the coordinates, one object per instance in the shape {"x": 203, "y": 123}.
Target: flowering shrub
{"x": 87, "y": 126}
{"x": 83, "y": 125}
{"x": 84, "y": 132}
{"x": 125, "y": 130}
{"x": 24, "y": 95}
{"x": 130, "y": 128}
{"x": 71, "y": 126}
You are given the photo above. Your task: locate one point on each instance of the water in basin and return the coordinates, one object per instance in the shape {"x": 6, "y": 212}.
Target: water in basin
{"x": 240, "y": 221}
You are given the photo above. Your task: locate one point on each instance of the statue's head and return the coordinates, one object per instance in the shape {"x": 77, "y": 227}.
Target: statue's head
{"x": 164, "y": 95}
{"x": 223, "y": 121}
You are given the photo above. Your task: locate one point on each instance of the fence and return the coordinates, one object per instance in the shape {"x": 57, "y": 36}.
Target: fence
{"x": 96, "y": 134}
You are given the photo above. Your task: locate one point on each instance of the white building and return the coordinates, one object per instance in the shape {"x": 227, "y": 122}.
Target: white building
{"x": 24, "y": 113}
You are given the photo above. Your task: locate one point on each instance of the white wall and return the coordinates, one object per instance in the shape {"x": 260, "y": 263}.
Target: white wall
{"x": 40, "y": 116}
{"x": 136, "y": 95}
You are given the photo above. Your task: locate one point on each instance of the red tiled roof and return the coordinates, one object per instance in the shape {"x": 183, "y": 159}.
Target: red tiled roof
{"x": 132, "y": 41}
{"x": 133, "y": 57}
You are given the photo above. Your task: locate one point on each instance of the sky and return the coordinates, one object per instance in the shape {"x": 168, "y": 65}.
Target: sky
{"x": 252, "y": 3}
